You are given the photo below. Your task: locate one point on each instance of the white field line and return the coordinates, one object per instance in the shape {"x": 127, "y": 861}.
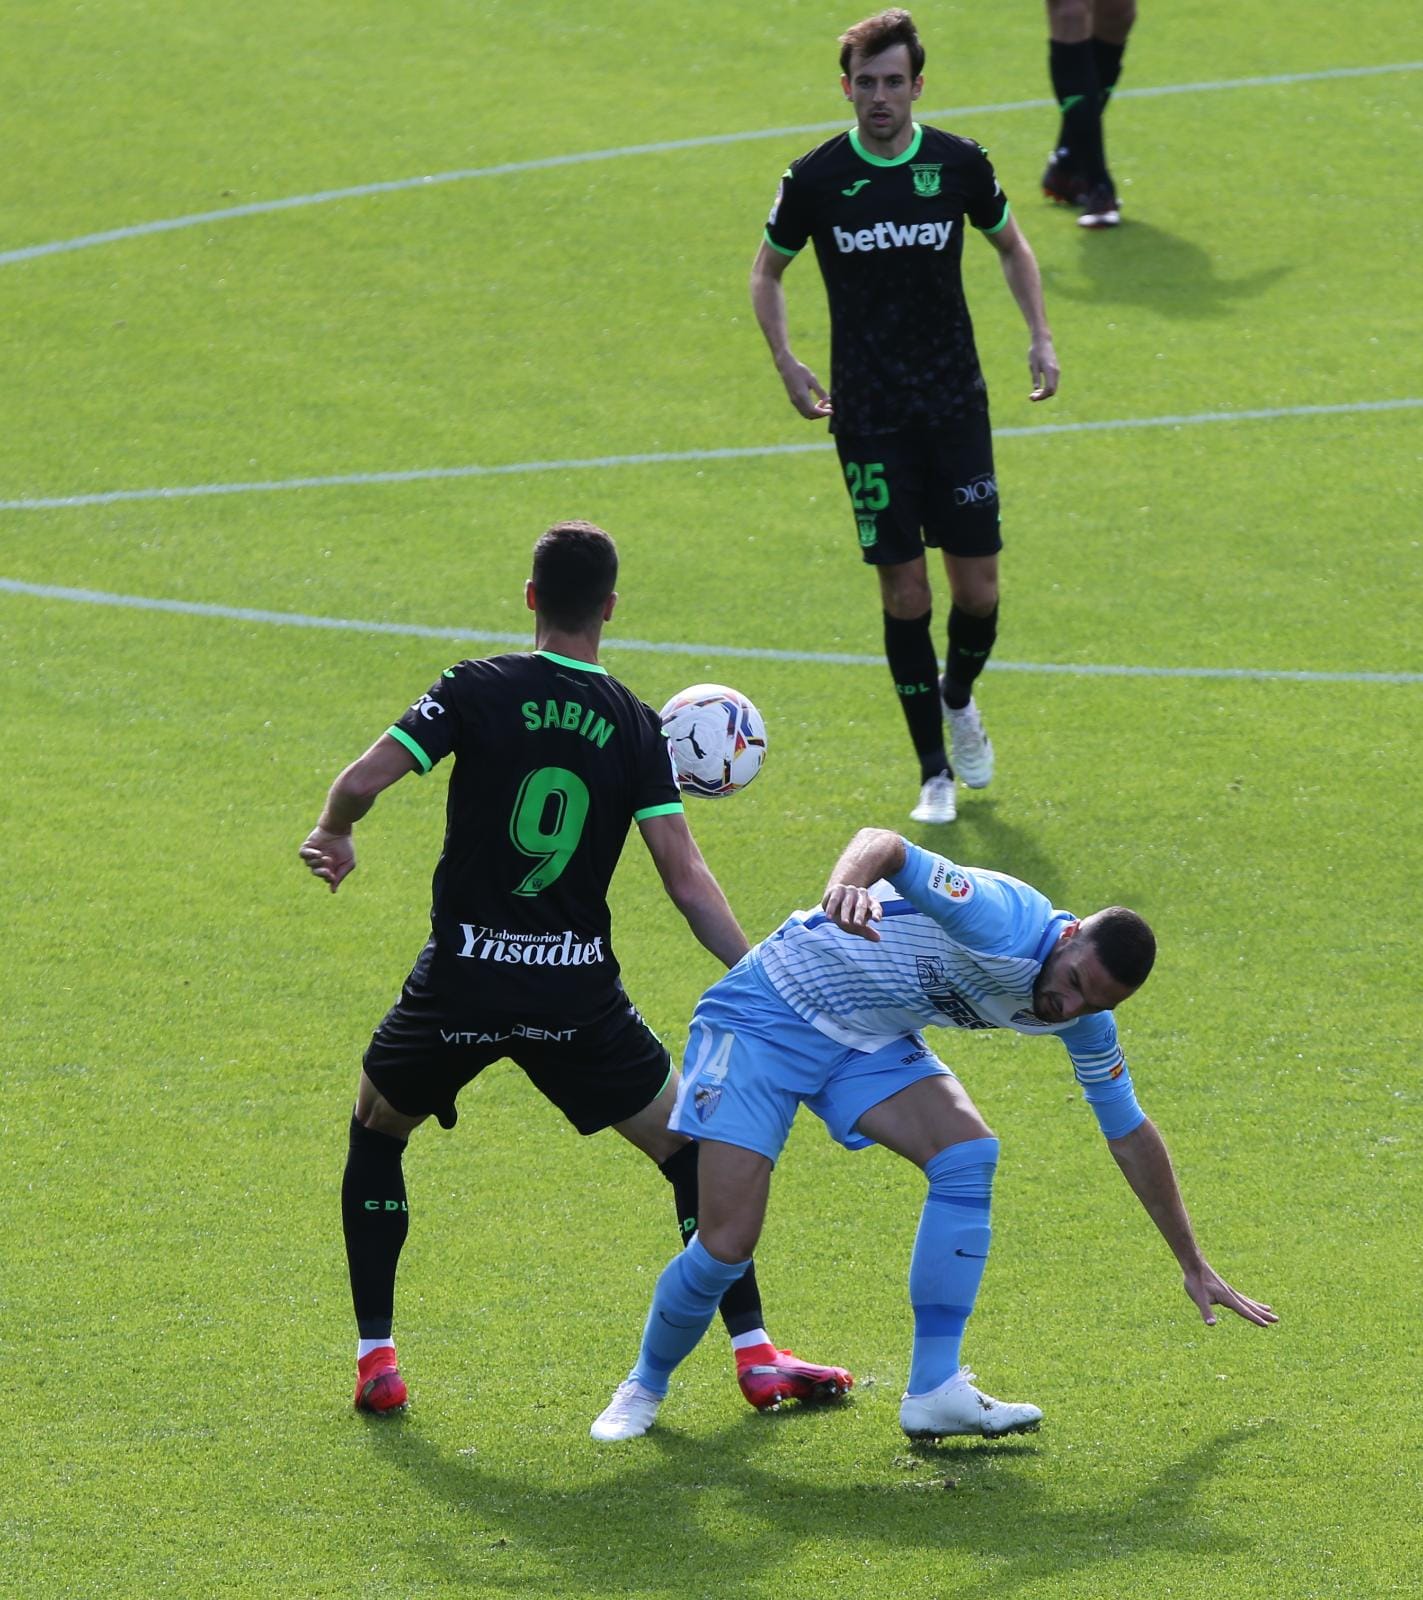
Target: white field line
{"x": 296, "y": 619}
{"x": 658, "y": 458}
{"x": 360, "y": 191}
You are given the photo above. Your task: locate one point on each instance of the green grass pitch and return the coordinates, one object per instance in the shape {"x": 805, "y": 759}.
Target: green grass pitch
{"x": 184, "y": 1008}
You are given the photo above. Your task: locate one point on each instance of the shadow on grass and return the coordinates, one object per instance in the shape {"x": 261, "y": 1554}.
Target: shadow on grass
{"x": 983, "y": 838}
{"x": 687, "y": 1516}
{"x": 1141, "y": 265}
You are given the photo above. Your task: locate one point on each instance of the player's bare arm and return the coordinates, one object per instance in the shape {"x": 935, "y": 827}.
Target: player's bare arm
{"x": 768, "y": 300}
{"x": 329, "y": 849}
{"x": 1146, "y": 1165}
{"x": 871, "y": 855}
{"x": 1020, "y": 270}
{"x": 692, "y": 887}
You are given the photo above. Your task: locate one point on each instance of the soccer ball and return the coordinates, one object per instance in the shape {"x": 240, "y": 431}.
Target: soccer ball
{"x": 717, "y": 739}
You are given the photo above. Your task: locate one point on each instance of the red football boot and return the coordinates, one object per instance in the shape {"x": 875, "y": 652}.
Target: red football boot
{"x": 1060, "y": 183}
{"x": 379, "y": 1386}
{"x": 769, "y": 1376}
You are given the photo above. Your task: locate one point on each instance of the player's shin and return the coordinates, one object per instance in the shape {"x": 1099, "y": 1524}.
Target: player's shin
{"x": 909, "y": 650}
{"x": 1108, "y": 57}
{"x": 688, "y": 1292}
{"x": 971, "y": 642}
{"x": 950, "y": 1252}
{"x": 741, "y": 1304}
{"x": 375, "y": 1218}
{"x": 1073, "y": 69}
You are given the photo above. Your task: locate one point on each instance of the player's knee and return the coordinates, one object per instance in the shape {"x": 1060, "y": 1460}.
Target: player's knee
{"x": 1113, "y": 19}
{"x": 977, "y": 596}
{"x": 729, "y": 1241}
{"x": 375, "y": 1112}
{"x": 385, "y": 1120}
{"x": 964, "y": 1167}
{"x": 905, "y": 591}
{"x": 976, "y": 1133}
{"x": 1069, "y": 20}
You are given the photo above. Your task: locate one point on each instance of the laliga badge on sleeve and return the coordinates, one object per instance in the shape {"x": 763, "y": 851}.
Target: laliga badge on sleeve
{"x": 947, "y": 880}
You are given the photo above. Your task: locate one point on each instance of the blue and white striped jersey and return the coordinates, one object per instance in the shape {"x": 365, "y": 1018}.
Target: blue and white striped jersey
{"x": 959, "y": 947}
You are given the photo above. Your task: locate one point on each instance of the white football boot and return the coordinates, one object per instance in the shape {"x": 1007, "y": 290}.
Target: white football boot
{"x": 937, "y": 800}
{"x": 628, "y": 1415}
{"x": 971, "y": 751}
{"x": 957, "y": 1407}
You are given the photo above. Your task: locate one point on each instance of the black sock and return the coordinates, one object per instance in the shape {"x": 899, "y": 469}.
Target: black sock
{"x": 1109, "y": 68}
{"x": 909, "y": 649}
{"x": 376, "y": 1219}
{"x": 741, "y": 1304}
{"x": 1073, "y": 68}
{"x": 970, "y": 644}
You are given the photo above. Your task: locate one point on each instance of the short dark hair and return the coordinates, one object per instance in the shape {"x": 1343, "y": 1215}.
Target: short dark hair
{"x": 575, "y": 570}
{"x": 1124, "y": 943}
{"x": 879, "y": 33}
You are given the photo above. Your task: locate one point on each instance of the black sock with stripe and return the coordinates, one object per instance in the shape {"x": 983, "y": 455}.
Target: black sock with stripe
{"x": 1073, "y": 68}
{"x": 909, "y": 649}
{"x": 375, "y": 1219}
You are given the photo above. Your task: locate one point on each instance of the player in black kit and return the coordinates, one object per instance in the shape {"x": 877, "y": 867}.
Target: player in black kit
{"x": 1086, "y": 42}
{"x": 885, "y": 205}
{"x": 553, "y": 759}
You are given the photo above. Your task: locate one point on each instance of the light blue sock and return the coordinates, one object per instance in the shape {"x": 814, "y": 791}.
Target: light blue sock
{"x": 687, "y": 1295}
{"x": 950, "y": 1251}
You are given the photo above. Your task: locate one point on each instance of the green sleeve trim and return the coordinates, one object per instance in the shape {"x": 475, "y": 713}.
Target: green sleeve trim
{"x": 1002, "y": 221}
{"x": 673, "y": 807}
{"x": 780, "y": 249}
{"x": 401, "y": 737}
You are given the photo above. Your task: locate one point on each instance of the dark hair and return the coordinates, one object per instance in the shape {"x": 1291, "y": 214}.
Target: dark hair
{"x": 879, "y": 33}
{"x": 575, "y": 570}
{"x": 1124, "y": 943}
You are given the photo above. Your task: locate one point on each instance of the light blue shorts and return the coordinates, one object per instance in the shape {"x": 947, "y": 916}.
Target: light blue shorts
{"x": 751, "y": 1061}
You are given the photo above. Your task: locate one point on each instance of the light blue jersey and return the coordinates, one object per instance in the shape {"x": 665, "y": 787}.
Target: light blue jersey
{"x": 959, "y": 947}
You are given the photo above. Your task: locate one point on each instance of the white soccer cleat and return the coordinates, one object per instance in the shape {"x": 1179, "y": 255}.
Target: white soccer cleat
{"x": 937, "y": 801}
{"x": 957, "y": 1407}
{"x": 629, "y": 1414}
{"x": 1100, "y": 207}
{"x": 972, "y": 752}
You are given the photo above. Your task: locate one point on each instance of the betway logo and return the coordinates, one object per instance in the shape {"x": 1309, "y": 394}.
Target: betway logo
{"x": 529, "y": 949}
{"x": 892, "y": 236}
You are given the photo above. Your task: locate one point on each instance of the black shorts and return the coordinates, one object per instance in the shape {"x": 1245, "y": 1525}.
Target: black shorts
{"x": 596, "y": 1072}
{"x": 933, "y": 486}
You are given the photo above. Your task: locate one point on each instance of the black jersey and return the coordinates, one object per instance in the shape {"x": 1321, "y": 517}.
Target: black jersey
{"x": 889, "y": 239}
{"x": 553, "y": 760}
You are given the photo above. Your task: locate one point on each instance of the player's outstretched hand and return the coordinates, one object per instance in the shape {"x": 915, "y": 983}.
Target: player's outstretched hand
{"x": 1208, "y": 1289}
{"x": 804, "y": 389}
{"x": 331, "y": 856}
{"x": 854, "y": 909}
{"x": 1043, "y": 368}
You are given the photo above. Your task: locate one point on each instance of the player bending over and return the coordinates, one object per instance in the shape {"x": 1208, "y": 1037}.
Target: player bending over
{"x": 826, "y": 1012}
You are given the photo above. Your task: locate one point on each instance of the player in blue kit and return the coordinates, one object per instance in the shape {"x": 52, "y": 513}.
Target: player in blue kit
{"x": 827, "y": 1011}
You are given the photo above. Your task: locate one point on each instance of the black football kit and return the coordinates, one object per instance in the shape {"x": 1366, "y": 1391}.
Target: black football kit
{"x": 888, "y": 238}
{"x": 888, "y": 235}
{"x": 554, "y": 759}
